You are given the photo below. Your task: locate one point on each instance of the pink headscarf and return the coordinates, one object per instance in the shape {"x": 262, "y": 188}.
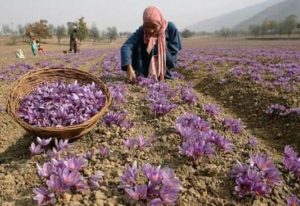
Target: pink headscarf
{"x": 157, "y": 67}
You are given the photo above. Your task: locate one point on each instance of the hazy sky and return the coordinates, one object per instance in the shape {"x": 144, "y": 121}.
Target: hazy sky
{"x": 124, "y": 14}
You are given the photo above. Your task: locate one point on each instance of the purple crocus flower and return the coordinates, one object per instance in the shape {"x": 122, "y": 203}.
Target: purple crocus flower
{"x": 142, "y": 142}
{"x": 58, "y": 163}
{"x": 142, "y": 81}
{"x": 43, "y": 196}
{"x": 118, "y": 94}
{"x": 169, "y": 194}
{"x": 35, "y": 149}
{"x": 94, "y": 180}
{"x": 186, "y": 132}
{"x": 193, "y": 121}
{"x": 252, "y": 141}
{"x": 289, "y": 152}
{"x": 52, "y": 154}
{"x": 276, "y": 109}
{"x": 152, "y": 173}
{"x": 234, "y": 125}
{"x": 161, "y": 88}
{"x": 117, "y": 118}
{"x": 129, "y": 143}
{"x": 129, "y": 177}
{"x": 291, "y": 161}
{"x": 238, "y": 170}
{"x": 249, "y": 183}
{"x": 295, "y": 111}
{"x": 61, "y": 144}
{"x": 75, "y": 163}
{"x": 139, "y": 142}
{"x": 167, "y": 173}
{"x": 177, "y": 75}
{"x": 212, "y": 109}
{"x": 256, "y": 178}
{"x": 56, "y": 185}
{"x": 46, "y": 170}
{"x": 293, "y": 201}
{"x": 188, "y": 95}
{"x": 103, "y": 151}
{"x": 159, "y": 186}
{"x": 89, "y": 155}
{"x": 68, "y": 177}
{"x": 161, "y": 106}
{"x": 264, "y": 164}
{"x": 237, "y": 71}
{"x": 156, "y": 202}
{"x": 196, "y": 149}
{"x": 43, "y": 142}
{"x": 138, "y": 193}
{"x": 220, "y": 141}
{"x": 81, "y": 185}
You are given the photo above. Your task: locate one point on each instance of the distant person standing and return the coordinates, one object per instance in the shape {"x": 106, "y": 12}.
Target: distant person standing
{"x": 73, "y": 41}
{"x": 40, "y": 48}
{"x": 33, "y": 46}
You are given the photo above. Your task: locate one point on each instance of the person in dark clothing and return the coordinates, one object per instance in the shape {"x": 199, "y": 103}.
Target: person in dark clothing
{"x": 152, "y": 50}
{"x": 73, "y": 41}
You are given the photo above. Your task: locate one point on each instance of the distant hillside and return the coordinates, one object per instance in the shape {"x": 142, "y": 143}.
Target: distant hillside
{"x": 233, "y": 18}
{"x": 276, "y": 12}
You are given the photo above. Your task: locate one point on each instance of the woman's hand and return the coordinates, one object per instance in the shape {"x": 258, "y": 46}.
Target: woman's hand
{"x": 131, "y": 74}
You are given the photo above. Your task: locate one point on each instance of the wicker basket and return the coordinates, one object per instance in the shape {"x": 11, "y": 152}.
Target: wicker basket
{"x": 26, "y": 84}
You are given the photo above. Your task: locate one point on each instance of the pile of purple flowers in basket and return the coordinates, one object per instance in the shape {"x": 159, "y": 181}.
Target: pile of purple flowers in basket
{"x": 58, "y": 104}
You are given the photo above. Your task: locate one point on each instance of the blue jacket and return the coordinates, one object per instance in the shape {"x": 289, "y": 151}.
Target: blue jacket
{"x": 134, "y": 51}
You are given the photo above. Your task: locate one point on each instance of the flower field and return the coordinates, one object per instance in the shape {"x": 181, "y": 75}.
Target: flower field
{"x": 225, "y": 131}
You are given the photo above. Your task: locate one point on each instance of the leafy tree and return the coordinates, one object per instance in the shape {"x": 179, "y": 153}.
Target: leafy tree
{"x": 187, "y": 33}
{"x": 289, "y": 24}
{"x": 254, "y": 30}
{"x": 269, "y": 27}
{"x": 39, "y": 29}
{"x": 82, "y": 29}
{"x": 125, "y": 34}
{"x": 224, "y": 32}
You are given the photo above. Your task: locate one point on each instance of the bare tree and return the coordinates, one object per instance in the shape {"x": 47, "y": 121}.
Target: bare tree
{"x": 6, "y": 30}
{"x": 60, "y": 32}
{"x": 94, "y": 33}
{"x": 112, "y": 33}
{"x": 289, "y": 24}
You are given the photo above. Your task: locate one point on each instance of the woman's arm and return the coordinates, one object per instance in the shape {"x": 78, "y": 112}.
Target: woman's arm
{"x": 173, "y": 45}
{"x": 127, "y": 48}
